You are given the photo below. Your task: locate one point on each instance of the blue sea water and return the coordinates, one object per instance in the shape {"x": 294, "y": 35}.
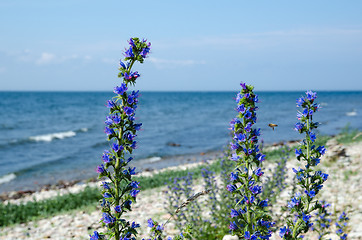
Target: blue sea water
{"x": 49, "y": 136}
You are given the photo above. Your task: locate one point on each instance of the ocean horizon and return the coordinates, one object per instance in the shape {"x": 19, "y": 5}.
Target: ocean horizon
{"x": 47, "y": 136}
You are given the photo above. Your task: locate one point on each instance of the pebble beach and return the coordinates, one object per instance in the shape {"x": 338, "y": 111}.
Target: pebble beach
{"x": 343, "y": 190}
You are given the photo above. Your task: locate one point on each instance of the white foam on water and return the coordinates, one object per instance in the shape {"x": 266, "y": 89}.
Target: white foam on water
{"x": 7, "y": 178}
{"x": 350, "y": 114}
{"x": 52, "y": 136}
{"x": 152, "y": 159}
{"x": 83, "y": 129}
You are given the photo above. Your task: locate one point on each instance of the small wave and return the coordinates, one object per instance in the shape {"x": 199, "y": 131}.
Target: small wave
{"x": 151, "y": 159}
{"x": 7, "y": 178}
{"x": 351, "y": 114}
{"x": 52, "y": 136}
{"x": 83, "y": 130}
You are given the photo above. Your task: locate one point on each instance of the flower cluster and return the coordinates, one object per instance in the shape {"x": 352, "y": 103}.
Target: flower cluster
{"x": 178, "y": 189}
{"x": 119, "y": 191}
{"x": 322, "y": 220}
{"x": 341, "y": 225}
{"x": 250, "y": 219}
{"x": 310, "y": 182}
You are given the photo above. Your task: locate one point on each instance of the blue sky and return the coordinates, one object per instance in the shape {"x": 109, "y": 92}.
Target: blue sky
{"x": 196, "y": 45}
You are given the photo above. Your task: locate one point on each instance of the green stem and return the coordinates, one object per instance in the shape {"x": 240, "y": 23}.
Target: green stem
{"x": 296, "y": 227}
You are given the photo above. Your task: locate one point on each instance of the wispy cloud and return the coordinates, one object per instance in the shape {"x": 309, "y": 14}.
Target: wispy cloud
{"x": 166, "y": 63}
{"x": 46, "y": 58}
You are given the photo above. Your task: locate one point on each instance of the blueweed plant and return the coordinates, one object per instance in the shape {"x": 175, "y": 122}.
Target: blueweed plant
{"x": 322, "y": 220}
{"x": 250, "y": 219}
{"x": 209, "y": 218}
{"x": 341, "y": 226}
{"x": 178, "y": 189}
{"x": 119, "y": 191}
{"x": 309, "y": 180}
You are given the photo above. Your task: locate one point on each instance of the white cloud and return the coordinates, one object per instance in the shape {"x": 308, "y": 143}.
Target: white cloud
{"x": 46, "y": 58}
{"x": 165, "y": 63}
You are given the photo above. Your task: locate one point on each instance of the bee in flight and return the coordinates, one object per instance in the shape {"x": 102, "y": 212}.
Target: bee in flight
{"x": 272, "y": 125}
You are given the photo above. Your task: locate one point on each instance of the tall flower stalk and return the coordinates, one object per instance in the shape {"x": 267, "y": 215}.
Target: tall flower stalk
{"x": 309, "y": 180}
{"x": 250, "y": 219}
{"x": 119, "y": 191}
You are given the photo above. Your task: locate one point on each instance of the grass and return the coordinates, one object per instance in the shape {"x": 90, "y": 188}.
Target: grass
{"x": 349, "y": 135}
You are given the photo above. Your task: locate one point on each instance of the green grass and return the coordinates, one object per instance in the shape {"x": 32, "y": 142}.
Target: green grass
{"x": 349, "y": 135}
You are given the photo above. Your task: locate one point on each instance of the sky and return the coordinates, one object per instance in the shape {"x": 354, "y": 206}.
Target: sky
{"x": 76, "y": 45}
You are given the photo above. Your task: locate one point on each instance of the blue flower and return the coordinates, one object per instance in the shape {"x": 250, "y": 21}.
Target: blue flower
{"x": 263, "y": 203}
{"x": 130, "y": 171}
{"x": 298, "y": 126}
{"x": 321, "y": 150}
{"x": 108, "y": 131}
{"x": 129, "y": 53}
{"x": 241, "y": 108}
{"x": 284, "y": 231}
{"x": 131, "y": 42}
{"x": 150, "y": 223}
{"x": 134, "y": 184}
{"x": 107, "y": 219}
{"x": 231, "y": 187}
{"x": 95, "y": 236}
{"x": 311, "y": 95}
{"x": 122, "y": 64}
{"x": 240, "y": 137}
{"x": 306, "y": 218}
{"x": 260, "y": 157}
{"x": 110, "y": 104}
{"x": 105, "y": 185}
{"x": 117, "y": 209}
{"x": 258, "y": 172}
{"x": 145, "y": 51}
{"x": 255, "y": 189}
{"x": 247, "y": 236}
{"x": 100, "y": 168}
{"x": 120, "y": 90}
{"x": 134, "y": 192}
{"x": 312, "y": 136}
{"x": 108, "y": 121}
{"x": 128, "y": 111}
{"x": 298, "y": 152}
{"x": 116, "y": 147}
{"x": 234, "y": 213}
{"x": 107, "y": 195}
{"x": 105, "y": 157}
{"x": 243, "y": 85}
{"x": 116, "y": 119}
{"x": 135, "y": 225}
{"x": 300, "y": 101}
{"x": 233, "y": 226}
{"x": 233, "y": 176}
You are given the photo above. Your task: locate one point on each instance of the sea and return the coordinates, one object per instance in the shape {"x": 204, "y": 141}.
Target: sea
{"x": 46, "y": 137}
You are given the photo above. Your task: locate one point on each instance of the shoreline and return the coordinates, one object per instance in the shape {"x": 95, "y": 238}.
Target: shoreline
{"x": 143, "y": 167}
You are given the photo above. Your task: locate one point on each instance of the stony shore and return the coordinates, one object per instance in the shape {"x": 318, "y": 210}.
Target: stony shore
{"x": 343, "y": 190}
